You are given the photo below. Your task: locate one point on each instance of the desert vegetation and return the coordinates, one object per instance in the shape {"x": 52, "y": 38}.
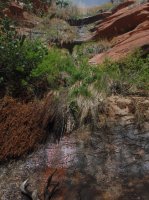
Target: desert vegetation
{"x": 74, "y": 106}
{"x": 18, "y": 58}
{"x": 30, "y": 69}
{"x": 73, "y": 72}
{"x": 55, "y": 30}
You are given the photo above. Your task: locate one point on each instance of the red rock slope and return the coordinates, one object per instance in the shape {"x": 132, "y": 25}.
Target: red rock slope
{"x": 18, "y": 13}
{"x": 130, "y": 29}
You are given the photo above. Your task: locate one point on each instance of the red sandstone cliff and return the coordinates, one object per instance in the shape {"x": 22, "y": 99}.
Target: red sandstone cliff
{"x": 16, "y": 11}
{"x": 127, "y": 28}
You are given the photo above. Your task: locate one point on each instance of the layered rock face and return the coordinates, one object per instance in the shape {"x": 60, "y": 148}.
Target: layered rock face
{"x": 18, "y": 13}
{"x": 39, "y": 5}
{"x": 127, "y": 29}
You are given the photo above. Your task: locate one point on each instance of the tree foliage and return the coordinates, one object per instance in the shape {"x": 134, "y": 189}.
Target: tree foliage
{"x": 62, "y": 3}
{"x": 18, "y": 57}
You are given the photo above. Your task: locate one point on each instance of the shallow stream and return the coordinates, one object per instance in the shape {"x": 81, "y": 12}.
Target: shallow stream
{"x": 111, "y": 163}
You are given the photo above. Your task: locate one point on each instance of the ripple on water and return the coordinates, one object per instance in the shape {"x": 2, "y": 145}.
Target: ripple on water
{"x": 63, "y": 154}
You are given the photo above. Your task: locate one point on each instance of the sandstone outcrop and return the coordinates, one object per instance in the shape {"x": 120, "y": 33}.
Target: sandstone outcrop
{"x": 14, "y": 11}
{"x": 18, "y": 13}
{"x": 38, "y": 5}
{"x": 127, "y": 29}
{"x": 122, "y": 5}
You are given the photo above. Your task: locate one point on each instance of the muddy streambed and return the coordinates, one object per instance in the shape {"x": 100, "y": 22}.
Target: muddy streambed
{"x": 111, "y": 163}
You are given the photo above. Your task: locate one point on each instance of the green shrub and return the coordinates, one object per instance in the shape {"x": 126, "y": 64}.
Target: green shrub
{"x": 28, "y": 68}
{"x": 18, "y": 58}
{"x": 62, "y": 70}
{"x": 130, "y": 72}
{"x": 53, "y": 67}
{"x": 135, "y": 70}
{"x": 125, "y": 76}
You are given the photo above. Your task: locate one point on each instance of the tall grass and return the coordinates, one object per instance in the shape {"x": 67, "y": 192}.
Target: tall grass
{"x": 87, "y": 86}
{"x": 80, "y": 78}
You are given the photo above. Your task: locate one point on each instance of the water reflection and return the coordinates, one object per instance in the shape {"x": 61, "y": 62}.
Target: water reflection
{"x": 109, "y": 164}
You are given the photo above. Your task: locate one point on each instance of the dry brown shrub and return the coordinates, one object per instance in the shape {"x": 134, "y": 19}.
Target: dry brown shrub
{"x": 21, "y": 127}
{"x": 24, "y": 125}
{"x": 19, "y": 131}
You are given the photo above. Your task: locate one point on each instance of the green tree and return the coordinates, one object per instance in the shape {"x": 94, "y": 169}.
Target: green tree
{"x": 62, "y": 3}
{"x": 19, "y": 57}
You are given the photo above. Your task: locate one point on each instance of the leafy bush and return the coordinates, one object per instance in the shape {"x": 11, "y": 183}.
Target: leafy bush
{"x": 26, "y": 67}
{"x": 54, "y": 63}
{"x": 131, "y": 73}
{"x": 18, "y": 58}
{"x": 62, "y": 70}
